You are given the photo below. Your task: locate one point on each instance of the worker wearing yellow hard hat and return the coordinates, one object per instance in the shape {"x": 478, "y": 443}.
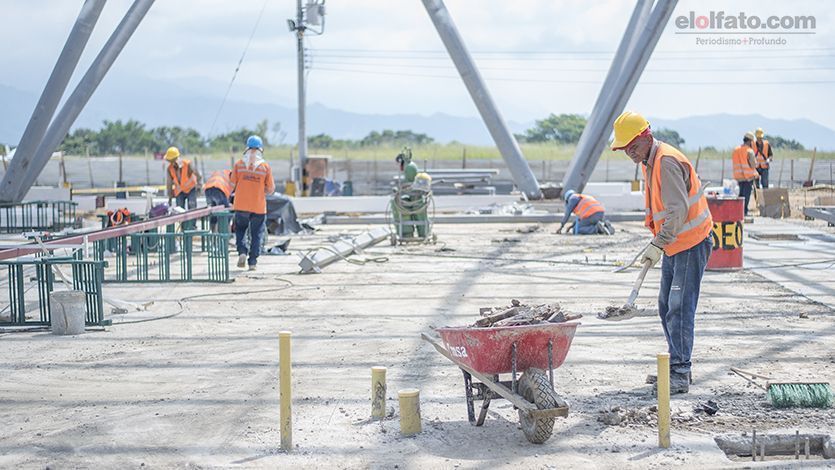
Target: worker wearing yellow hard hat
{"x": 679, "y": 219}
{"x": 764, "y": 154}
{"x": 182, "y": 179}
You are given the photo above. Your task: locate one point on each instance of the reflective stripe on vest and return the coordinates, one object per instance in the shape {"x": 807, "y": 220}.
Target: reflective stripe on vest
{"x": 183, "y": 184}
{"x": 221, "y": 181}
{"x": 698, "y": 223}
{"x": 742, "y": 170}
{"x": 587, "y": 206}
{"x": 762, "y": 157}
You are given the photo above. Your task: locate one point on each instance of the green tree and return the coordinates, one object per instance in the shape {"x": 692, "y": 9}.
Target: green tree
{"x": 80, "y": 141}
{"x": 320, "y": 141}
{"x": 782, "y": 143}
{"x": 235, "y": 140}
{"x": 563, "y": 128}
{"x": 395, "y": 138}
{"x": 669, "y": 136}
{"x": 187, "y": 140}
{"x": 124, "y": 137}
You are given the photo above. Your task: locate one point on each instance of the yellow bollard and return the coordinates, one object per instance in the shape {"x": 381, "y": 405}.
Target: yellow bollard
{"x": 409, "y": 411}
{"x": 378, "y": 392}
{"x": 663, "y": 400}
{"x": 290, "y": 188}
{"x": 286, "y": 429}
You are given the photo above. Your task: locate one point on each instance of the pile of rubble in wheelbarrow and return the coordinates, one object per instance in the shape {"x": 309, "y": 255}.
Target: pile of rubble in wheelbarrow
{"x": 517, "y": 314}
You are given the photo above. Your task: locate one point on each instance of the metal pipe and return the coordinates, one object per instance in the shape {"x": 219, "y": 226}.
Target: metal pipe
{"x": 496, "y": 125}
{"x": 585, "y": 159}
{"x": 50, "y": 97}
{"x": 302, "y": 99}
{"x": 663, "y": 392}
{"x": 83, "y": 91}
{"x": 284, "y": 391}
{"x": 637, "y": 22}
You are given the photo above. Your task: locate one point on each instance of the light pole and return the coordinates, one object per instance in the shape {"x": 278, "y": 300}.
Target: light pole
{"x": 311, "y": 14}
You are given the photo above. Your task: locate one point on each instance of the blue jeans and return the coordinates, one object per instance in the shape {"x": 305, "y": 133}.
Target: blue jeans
{"x": 745, "y": 192}
{"x": 191, "y": 197}
{"x": 255, "y": 224}
{"x": 681, "y": 279}
{"x": 588, "y": 226}
{"x": 215, "y": 197}
{"x": 763, "y": 181}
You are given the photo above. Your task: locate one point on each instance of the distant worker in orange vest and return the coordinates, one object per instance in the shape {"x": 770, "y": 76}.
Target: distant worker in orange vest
{"x": 590, "y": 215}
{"x": 745, "y": 167}
{"x": 680, "y": 221}
{"x": 181, "y": 179}
{"x": 218, "y": 189}
{"x": 764, "y": 154}
{"x": 252, "y": 178}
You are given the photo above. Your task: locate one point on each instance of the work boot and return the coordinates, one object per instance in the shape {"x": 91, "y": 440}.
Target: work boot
{"x": 241, "y": 261}
{"x": 609, "y": 228}
{"x": 253, "y": 267}
{"x": 601, "y": 228}
{"x": 653, "y": 379}
{"x": 679, "y": 383}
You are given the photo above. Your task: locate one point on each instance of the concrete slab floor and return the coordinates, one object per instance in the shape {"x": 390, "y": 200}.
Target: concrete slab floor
{"x": 193, "y": 383}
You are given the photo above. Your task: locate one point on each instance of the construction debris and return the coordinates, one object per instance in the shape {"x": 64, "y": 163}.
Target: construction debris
{"x": 520, "y": 314}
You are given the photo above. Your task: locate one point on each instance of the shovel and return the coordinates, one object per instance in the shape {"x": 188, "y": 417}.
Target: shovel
{"x": 629, "y": 309}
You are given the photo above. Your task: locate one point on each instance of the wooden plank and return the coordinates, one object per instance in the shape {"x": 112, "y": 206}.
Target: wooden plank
{"x": 500, "y": 389}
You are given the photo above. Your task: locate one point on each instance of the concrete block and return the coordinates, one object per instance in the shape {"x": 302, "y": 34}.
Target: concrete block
{"x": 47, "y": 193}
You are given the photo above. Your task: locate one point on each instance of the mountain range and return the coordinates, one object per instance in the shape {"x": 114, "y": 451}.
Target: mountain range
{"x": 189, "y": 104}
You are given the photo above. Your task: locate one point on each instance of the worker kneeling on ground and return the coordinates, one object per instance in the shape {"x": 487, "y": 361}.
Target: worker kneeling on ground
{"x": 678, "y": 217}
{"x": 591, "y": 215}
{"x": 252, "y": 179}
{"x": 182, "y": 179}
{"x": 217, "y": 189}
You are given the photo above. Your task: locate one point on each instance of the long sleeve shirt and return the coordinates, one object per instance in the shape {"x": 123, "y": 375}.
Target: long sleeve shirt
{"x": 570, "y": 205}
{"x": 675, "y": 188}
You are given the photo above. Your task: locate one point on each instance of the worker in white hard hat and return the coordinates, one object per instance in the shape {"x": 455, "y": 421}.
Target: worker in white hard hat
{"x": 590, "y": 215}
{"x": 182, "y": 179}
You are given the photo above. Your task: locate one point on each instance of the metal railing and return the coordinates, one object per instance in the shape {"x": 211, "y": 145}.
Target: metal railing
{"x": 37, "y": 215}
{"x": 87, "y": 276}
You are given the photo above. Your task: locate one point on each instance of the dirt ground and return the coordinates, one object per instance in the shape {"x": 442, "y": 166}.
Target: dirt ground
{"x": 193, "y": 383}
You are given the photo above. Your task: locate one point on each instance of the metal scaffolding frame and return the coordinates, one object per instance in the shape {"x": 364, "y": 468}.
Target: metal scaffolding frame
{"x": 632, "y": 56}
{"x": 508, "y": 147}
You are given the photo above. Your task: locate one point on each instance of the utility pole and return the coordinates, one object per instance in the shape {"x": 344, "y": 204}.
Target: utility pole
{"x": 312, "y": 14}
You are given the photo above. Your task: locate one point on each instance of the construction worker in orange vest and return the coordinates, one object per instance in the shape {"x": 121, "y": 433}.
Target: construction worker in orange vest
{"x": 182, "y": 179}
{"x": 745, "y": 167}
{"x": 764, "y": 154}
{"x": 680, "y": 221}
{"x": 252, "y": 178}
{"x": 218, "y": 189}
{"x": 590, "y": 215}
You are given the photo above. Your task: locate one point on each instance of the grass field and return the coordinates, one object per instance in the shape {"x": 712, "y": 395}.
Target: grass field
{"x": 456, "y": 152}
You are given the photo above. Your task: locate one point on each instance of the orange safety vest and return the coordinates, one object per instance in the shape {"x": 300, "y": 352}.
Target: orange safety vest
{"x": 762, "y": 157}
{"x": 742, "y": 170}
{"x": 587, "y": 207}
{"x": 252, "y": 185}
{"x": 220, "y": 180}
{"x": 698, "y": 223}
{"x": 183, "y": 184}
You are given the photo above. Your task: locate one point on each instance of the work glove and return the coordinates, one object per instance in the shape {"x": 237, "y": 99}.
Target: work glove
{"x": 652, "y": 255}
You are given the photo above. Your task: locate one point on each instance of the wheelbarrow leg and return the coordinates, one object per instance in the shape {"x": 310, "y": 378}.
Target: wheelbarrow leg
{"x": 550, "y": 363}
{"x": 485, "y": 404}
{"x": 468, "y": 389}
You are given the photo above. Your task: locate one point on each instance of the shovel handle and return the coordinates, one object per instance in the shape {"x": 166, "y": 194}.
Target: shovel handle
{"x": 638, "y": 282}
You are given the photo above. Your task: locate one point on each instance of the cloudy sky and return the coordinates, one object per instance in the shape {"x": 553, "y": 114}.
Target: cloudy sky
{"x": 384, "y": 56}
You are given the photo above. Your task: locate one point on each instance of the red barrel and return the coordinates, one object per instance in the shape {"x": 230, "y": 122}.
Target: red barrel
{"x": 728, "y": 215}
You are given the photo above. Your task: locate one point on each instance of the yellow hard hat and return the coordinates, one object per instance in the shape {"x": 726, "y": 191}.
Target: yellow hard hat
{"x": 628, "y": 126}
{"x": 172, "y": 154}
{"x": 760, "y": 132}
{"x": 749, "y": 136}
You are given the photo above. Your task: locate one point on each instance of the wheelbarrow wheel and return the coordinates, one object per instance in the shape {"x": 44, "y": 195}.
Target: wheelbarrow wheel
{"x": 535, "y": 387}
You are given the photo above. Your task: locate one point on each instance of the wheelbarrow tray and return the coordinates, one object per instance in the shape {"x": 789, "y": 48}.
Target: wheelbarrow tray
{"x": 490, "y": 350}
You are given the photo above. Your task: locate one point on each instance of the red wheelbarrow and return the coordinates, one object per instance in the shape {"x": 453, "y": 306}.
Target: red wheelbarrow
{"x": 535, "y": 350}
